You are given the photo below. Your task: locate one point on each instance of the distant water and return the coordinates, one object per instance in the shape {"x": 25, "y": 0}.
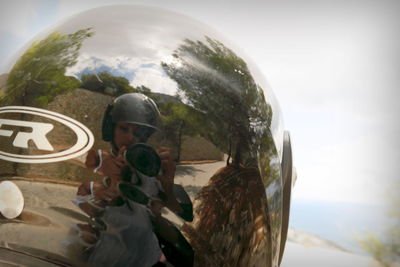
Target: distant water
{"x": 340, "y": 223}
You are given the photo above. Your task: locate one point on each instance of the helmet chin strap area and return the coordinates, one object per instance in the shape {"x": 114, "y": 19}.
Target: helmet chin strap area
{"x": 114, "y": 148}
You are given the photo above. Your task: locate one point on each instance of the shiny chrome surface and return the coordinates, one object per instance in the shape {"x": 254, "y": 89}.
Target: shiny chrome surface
{"x": 219, "y": 116}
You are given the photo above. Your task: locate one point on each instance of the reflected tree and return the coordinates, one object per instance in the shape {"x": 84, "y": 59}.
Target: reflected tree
{"x": 386, "y": 250}
{"x": 216, "y": 82}
{"x": 39, "y": 74}
{"x": 143, "y": 90}
{"x": 180, "y": 120}
{"x": 231, "y": 226}
{"x": 106, "y": 83}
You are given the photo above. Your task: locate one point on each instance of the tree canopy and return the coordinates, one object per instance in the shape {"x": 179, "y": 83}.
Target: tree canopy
{"x": 39, "y": 74}
{"x": 106, "y": 83}
{"x": 216, "y": 82}
{"x": 178, "y": 120}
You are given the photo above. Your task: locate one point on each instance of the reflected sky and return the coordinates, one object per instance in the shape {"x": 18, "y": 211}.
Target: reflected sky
{"x": 135, "y": 52}
{"x": 139, "y": 72}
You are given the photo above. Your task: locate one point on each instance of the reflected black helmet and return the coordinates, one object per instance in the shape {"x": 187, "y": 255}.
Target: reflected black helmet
{"x": 133, "y": 108}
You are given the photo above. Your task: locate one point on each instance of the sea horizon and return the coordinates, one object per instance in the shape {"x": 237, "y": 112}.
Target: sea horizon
{"x": 339, "y": 222}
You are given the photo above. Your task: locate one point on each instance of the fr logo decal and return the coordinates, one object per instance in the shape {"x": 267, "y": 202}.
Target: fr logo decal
{"x": 36, "y": 132}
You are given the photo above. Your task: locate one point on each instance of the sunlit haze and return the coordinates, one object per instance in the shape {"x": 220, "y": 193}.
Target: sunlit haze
{"x": 332, "y": 65}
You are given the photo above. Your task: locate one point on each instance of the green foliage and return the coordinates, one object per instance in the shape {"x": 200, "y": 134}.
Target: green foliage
{"x": 143, "y": 90}
{"x": 217, "y": 83}
{"x": 106, "y": 83}
{"x": 386, "y": 250}
{"x": 178, "y": 113}
{"x": 39, "y": 74}
{"x": 178, "y": 120}
{"x": 375, "y": 247}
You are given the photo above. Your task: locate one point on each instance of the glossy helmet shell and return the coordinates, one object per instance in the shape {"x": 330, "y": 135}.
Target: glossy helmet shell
{"x": 220, "y": 119}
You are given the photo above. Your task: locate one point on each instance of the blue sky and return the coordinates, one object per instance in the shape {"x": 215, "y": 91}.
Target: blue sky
{"x": 332, "y": 65}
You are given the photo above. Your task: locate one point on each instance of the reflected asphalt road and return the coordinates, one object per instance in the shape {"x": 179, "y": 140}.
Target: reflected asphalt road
{"x": 299, "y": 255}
{"x": 60, "y": 196}
{"x": 194, "y": 176}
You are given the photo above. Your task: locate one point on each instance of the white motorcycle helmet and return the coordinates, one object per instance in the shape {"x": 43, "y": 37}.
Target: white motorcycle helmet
{"x": 164, "y": 72}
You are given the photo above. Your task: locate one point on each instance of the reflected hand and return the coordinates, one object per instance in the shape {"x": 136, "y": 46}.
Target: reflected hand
{"x": 156, "y": 206}
{"x": 112, "y": 166}
{"x": 106, "y": 194}
{"x": 168, "y": 169}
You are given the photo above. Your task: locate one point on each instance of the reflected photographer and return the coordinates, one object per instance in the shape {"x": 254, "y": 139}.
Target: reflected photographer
{"x": 138, "y": 183}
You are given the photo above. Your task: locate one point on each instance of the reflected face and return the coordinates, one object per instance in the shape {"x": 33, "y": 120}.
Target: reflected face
{"x": 125, "y": 134}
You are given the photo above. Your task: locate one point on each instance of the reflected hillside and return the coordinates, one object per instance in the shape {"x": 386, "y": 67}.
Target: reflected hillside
{"x": 183, "y": 128}
{"x": 106, "y": 83}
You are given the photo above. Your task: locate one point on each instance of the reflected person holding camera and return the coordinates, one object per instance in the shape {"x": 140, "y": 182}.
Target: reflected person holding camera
{"x": 138, "y": 183}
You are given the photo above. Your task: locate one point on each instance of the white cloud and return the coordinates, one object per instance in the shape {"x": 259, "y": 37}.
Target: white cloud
{"x": 138, "y": 71}
{"x": 155, "y": 79}
{"x": 119, "y": 64}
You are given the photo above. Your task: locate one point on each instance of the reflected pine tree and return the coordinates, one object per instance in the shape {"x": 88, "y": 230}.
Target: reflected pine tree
{"x": 106, "y": 83}
{"x": 39, "y": 74}
{"x": 216, "y": 82}
{"x": 231, "y": 226}
{"x": 180, "y": 120}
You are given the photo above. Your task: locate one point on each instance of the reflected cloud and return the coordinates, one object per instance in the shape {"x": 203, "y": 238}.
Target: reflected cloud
{"x": 155, "y": 78}
{"x": 118, "y": 66}
{"x": 139, "y": 72}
